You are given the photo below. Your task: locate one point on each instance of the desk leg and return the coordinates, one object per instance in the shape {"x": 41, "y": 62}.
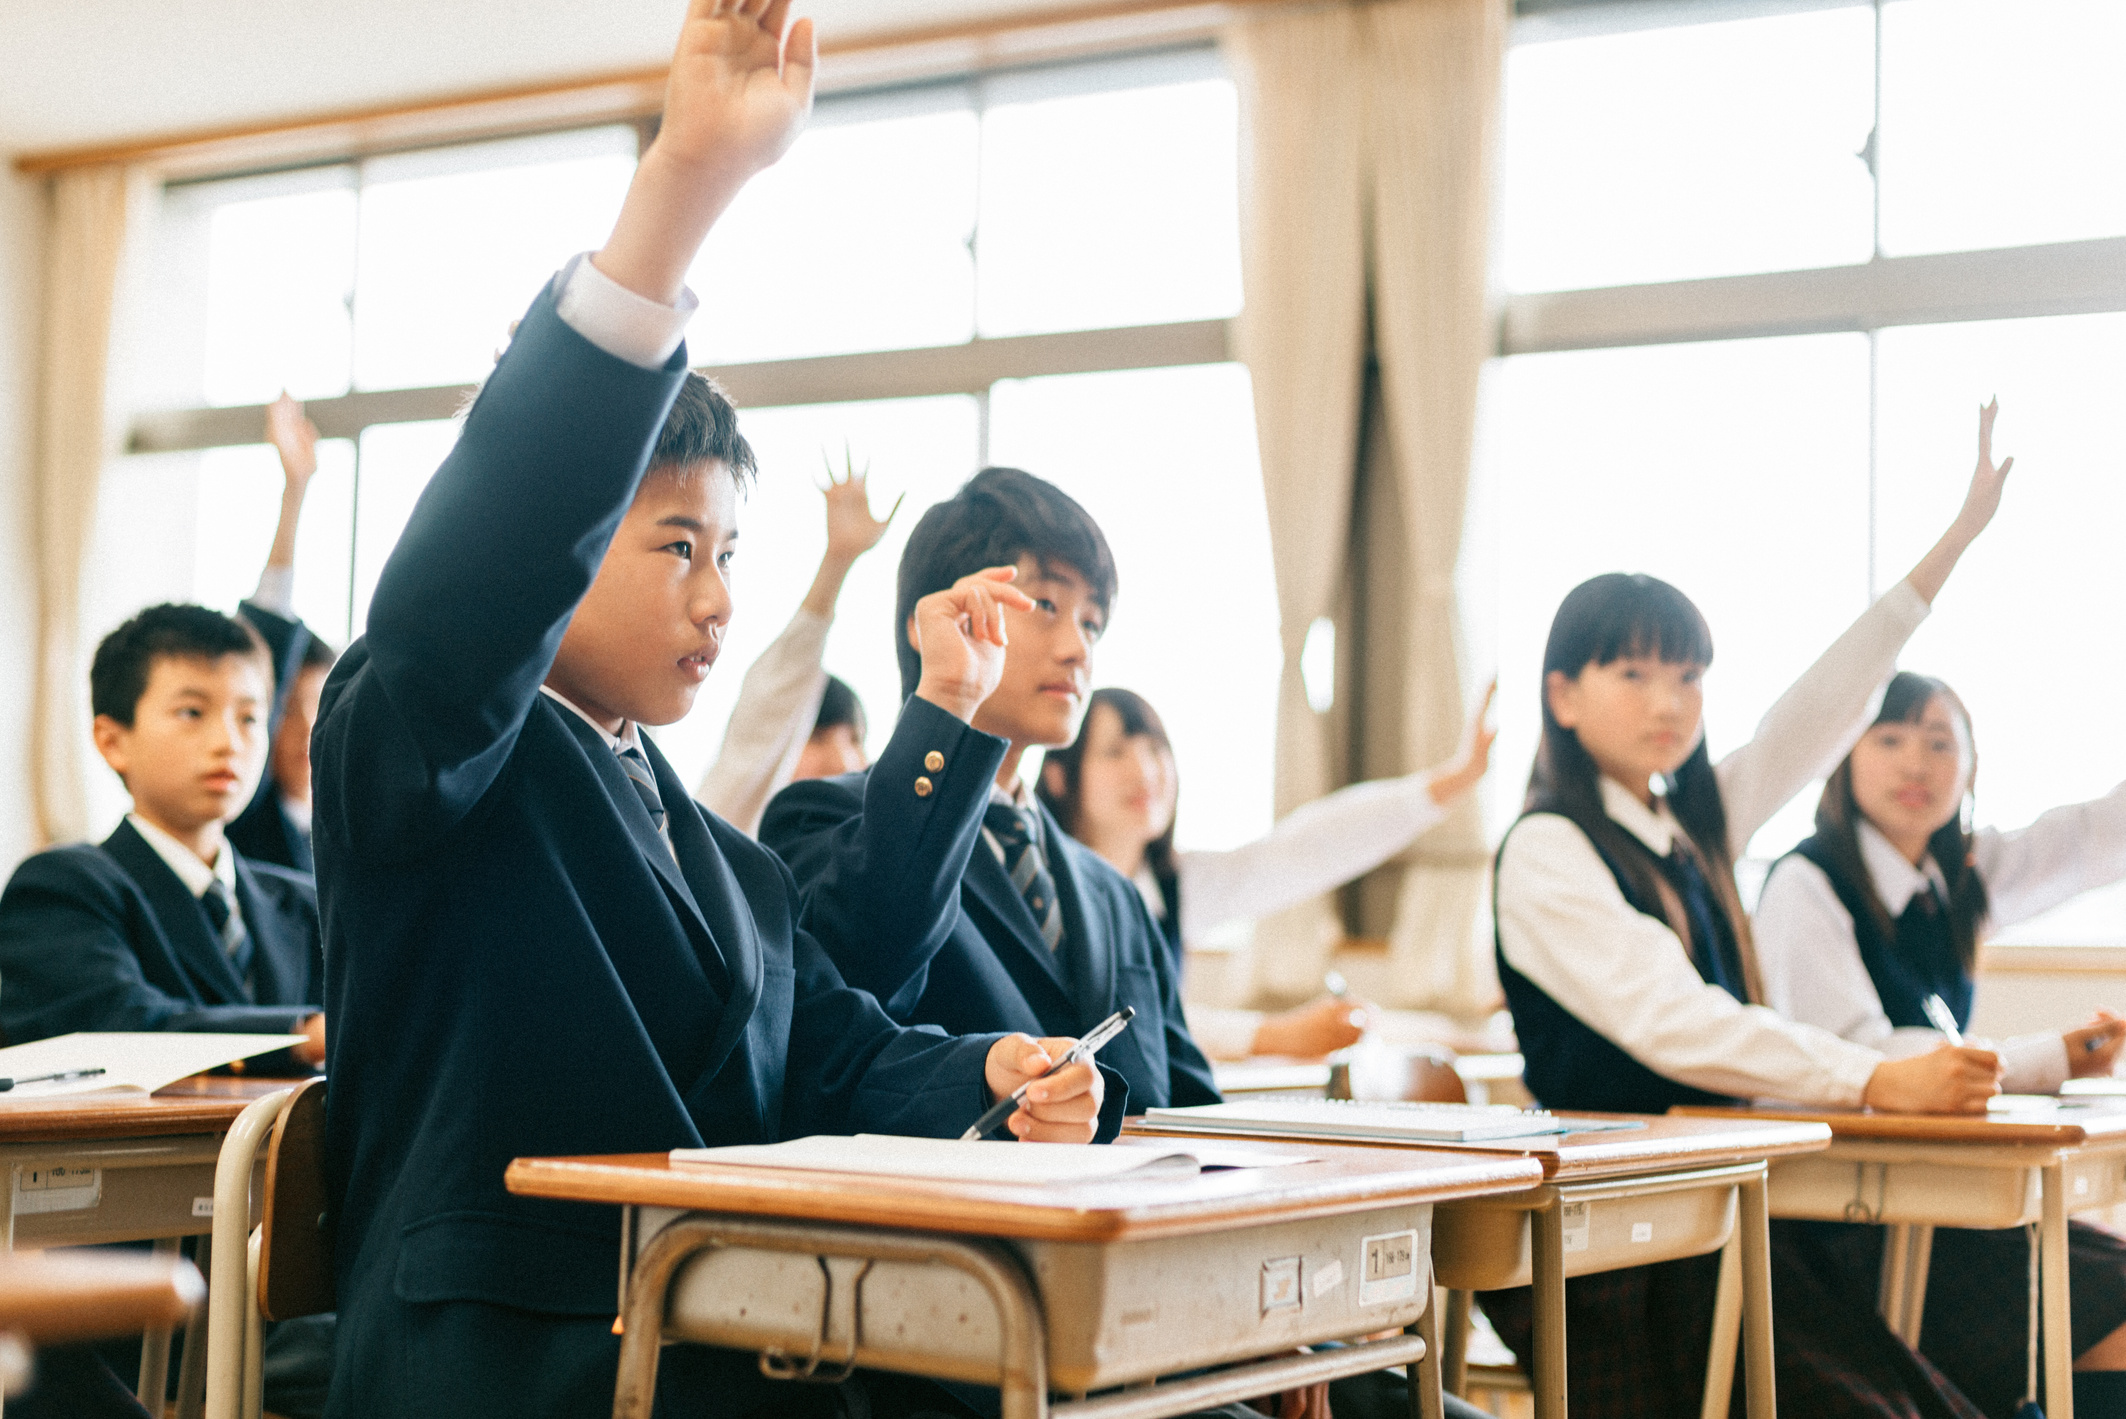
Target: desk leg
{"x": 1890, "y": 1292}
{"x": 1760, "y": 1392}
{"x": 1919, "y": 1258}
{"x": 1425, "y": 1401}
{"x": 1546, "y": 1254}
{"x": 1727, "y": 1331}
{"x": 192, "y": 1366}
{"x": 154, "y": 1389}
{"x": 1454, "y": 1344}
{"x": 2059, "y": 1336}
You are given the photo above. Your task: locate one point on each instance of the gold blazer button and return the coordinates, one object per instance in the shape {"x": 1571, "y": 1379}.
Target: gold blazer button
{"x": 922, "y": 788}
{"x": 933, "y": 761}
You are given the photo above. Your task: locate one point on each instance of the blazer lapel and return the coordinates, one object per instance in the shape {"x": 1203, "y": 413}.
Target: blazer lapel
{"x": 182, "y": 919}
{"x": 733, "y": 936}
{"x": 278, "y": 966}
{"x": 1089, "y": 956}
{"x": 1017, "y": 941}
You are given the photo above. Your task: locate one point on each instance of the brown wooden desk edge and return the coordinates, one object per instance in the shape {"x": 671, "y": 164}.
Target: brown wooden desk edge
{"x": 1924, "y": 1128}
{"x": 196, "y": 1105}
{"x": 1109, "y": 1210}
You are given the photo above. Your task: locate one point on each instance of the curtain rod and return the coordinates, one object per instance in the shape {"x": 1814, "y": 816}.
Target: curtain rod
{"x": 858, "y": 61}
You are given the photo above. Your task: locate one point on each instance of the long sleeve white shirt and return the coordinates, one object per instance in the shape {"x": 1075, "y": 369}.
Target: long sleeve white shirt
{"x": 1565, "y": 925}
{"x": 1810, "y": 955}
{"x": 778, "y": 702}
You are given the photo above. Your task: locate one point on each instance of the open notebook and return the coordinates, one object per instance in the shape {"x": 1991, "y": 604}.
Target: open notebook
{"x": 1383, "y": 1122}
{"x": 950, "y": 1160}
{"x": 131, "y": 1063}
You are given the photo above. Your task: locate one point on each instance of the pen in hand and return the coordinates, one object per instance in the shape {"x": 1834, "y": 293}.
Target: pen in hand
{"x": 1943, "y": 1019}
{"x": 1084, "y": 1049}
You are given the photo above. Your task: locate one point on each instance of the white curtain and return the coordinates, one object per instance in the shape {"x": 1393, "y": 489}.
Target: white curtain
{"x": 1370, "y": 130}
{"x": 77, "y": 434}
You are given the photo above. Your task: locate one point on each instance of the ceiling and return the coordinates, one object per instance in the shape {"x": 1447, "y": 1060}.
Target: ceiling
{"x": 91, "y": 71}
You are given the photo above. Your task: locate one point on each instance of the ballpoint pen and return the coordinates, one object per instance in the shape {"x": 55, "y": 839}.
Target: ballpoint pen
{"x": 1084, "y": 1049}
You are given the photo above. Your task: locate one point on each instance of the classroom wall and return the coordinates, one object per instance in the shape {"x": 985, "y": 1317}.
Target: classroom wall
{"x": 21, "y": 267}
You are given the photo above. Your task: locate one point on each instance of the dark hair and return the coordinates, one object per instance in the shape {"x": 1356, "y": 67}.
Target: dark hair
{"x": 997, "y": 516}
{"x": 1838, "y": 818}
{"x": 1605, "y": 619}
{"x": 839, "y": 705}
{"x": 318, "y": 654}
{"x": 118, "y": 676}
{"x": 703, "y": 426}
{"x": 1138, "y": 718}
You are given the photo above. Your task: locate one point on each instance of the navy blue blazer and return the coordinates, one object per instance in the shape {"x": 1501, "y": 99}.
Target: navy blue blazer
{"x": 104, "y": 936}
{"x": 516, "y": 965}
{"x": 915, "y": 909}
{"x": 264, "y": 832}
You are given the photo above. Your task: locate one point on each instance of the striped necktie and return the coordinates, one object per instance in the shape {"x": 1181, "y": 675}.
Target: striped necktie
{"x": 228, "y": 924}
{"x": 1014, "y": 836}
{"x": 638, "y": 773}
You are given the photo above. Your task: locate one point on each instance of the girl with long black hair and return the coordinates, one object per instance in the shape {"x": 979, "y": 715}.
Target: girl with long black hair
{"x": 1884, "y": 906}
{"x": 1627, "y": 961}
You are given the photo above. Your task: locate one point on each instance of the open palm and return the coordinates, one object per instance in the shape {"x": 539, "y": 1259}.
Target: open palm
{"x": 738, "y": 93}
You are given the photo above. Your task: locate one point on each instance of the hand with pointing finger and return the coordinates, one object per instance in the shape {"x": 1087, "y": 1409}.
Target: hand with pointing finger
{"x": 959, "y": 633}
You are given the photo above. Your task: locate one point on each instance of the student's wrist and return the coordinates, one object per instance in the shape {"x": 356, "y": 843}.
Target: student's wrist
{"x": 950, "y": 698}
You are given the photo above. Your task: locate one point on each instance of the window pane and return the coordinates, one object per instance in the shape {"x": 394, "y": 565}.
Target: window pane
{"x": 918, "y": 450}
{"x": 1113, "y": 208}
{"x": 239, "y": 507}
{"x": 2025, "y": 629}
{"x": 279, "y": 270}
{"x": 856, "y": 240}
{"x": 2001, "y": 123}
{"x": 1701, "y": 150}
{"x": 1737, "y": 471}
{"x": 397, "y": 462}
{"x": 1165, "y": 462}
{"x": 456, "y": 242}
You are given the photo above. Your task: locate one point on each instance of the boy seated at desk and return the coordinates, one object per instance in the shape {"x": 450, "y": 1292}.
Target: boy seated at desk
{"x": 537, "y": 943}
{"x": 164, "y": 925}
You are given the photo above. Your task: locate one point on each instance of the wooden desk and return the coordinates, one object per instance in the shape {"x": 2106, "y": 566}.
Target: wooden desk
{"x": 1608, "y": 1200}
{"x": 1916, "y": 1172}
{"x": 59, "y": 1299}
{"x": 1072, "y": 1288}
{"x": 122, "y": 1168}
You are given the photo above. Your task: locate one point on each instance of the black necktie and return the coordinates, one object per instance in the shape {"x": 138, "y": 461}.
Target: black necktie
{"x": 638, "y": 773}
{"x": 228, "y": 926}
{"x": 1014, "y": 834}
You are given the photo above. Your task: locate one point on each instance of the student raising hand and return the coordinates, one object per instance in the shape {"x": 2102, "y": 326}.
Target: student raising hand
{"x": 959, "y": 633}
{"x": 737, "y": 97}
{"x": 1980, "y": 503}
{"x": 1064, "y": 1109}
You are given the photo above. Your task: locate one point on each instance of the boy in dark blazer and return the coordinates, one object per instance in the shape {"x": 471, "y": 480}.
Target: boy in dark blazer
{"x": 536, "y": 943}
{"x": 163, "y": 925}
{"x": 977, "y": 911}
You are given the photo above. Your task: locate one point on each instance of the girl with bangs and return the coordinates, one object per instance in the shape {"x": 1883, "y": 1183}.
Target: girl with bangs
{"x": 1628, "y": 964}
{"x": 1885, "y": 906}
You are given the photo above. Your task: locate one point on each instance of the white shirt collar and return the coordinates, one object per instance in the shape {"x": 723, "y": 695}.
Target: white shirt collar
{"x": 1896, "y": 881}
{"x": 1655, "y": 826}
{"x": 194, "y": 873}
{"x": 626, "y": 739}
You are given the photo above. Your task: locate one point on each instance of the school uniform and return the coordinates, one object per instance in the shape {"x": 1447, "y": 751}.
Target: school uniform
{"x": 1615, "y": 1010}
{"x": 1827, "y": 960}
{"x": 962, "y": 906}
{"x": 270, "y": 829}
{"x": 537, "y": 944}
{"x": 136, "y": 933}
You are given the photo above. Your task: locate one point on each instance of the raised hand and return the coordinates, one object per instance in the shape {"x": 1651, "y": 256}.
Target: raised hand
{"x": 1062, "y": 1109}
{"x": 959, "y": 633}
{"x": 294, "y": 437}
{"x": 851, "y": 529}
{"x": 1460, "y": 774}
{"x": 1980, "y": 503}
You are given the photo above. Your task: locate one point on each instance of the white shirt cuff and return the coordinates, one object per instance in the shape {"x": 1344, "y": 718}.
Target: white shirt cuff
{"x": 2033, "y": 1064}
{"x": 276, "y": 591}
{"x": 625, "y": 325}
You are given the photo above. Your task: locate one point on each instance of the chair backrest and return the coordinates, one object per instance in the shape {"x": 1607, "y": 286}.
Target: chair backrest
{"x": 1424, "y": 1074}
{"x": 295, "y": 1241}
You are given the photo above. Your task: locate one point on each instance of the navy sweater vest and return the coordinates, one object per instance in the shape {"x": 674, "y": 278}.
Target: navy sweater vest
{"x": 1567, "y": 1063}
{"x": 1918, "y": 961}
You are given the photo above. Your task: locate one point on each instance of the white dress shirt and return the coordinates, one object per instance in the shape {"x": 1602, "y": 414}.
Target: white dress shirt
{"x": 196, "y": 874}
{"x": 1810, "y": 956}
{"x": 778, "y": 703}
{"x": 1565, "y": 925}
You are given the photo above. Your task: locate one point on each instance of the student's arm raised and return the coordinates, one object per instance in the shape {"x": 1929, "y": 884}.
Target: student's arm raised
{"x": 508, "y": 536}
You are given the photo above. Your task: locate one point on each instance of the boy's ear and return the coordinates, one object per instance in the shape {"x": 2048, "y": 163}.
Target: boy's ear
{"x": 913, "y": 643}
{"x": 110, "y": 738}
{"x": 1559, "y": 694}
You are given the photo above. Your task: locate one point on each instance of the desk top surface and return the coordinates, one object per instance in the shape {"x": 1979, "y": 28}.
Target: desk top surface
{"x": 203, "y": 1104}
{"x": 2081, "y": 1121}
{"x": 1664, "y": 1144}
{"x": 1333, "y": 1180}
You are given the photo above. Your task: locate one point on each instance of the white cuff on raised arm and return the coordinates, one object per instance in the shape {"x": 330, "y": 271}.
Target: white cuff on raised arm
{"x": 625, "y": 325}
{"x": 276, "y": 591}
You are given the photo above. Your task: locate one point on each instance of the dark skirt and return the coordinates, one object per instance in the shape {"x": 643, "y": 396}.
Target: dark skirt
{"x": 1976, "y": 1325}
{"x": 1636, "y": 1340}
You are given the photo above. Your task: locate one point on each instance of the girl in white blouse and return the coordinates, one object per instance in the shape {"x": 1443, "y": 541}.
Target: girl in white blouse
{"x": 1885, "y": 906}
{"x": 1626, "y": 960}
{"x": 1115, "y": 790}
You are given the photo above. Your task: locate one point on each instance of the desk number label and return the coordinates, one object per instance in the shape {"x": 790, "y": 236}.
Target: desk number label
{"x": 1280, "y": 1284}
{"x": 202, "y": 1207}
{"x": 1387, "y": 1268}
{"x": 1576, "y": 1226}
{"x": 1642, "y": 1231}
{"x": 64, "y": 1188}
